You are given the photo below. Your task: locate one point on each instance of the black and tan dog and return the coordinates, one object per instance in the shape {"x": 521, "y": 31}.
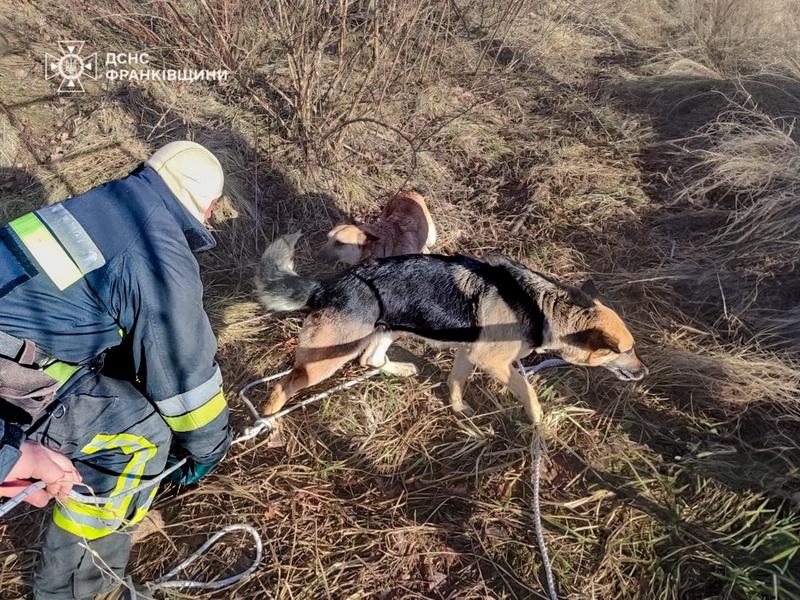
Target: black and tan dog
{"x": 494, "y": 310}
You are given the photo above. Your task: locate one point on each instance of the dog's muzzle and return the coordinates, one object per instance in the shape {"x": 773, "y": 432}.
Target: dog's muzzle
{"x": 627, "y": 367}
{"x": 626, "y": 375}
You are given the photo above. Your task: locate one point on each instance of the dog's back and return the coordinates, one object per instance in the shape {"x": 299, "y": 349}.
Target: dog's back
{"x": 409, "y": 221}
{"x": 442, "y": 298}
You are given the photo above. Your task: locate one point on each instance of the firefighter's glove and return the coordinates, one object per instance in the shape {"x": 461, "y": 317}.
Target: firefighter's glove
{"x": 190, "y": 472}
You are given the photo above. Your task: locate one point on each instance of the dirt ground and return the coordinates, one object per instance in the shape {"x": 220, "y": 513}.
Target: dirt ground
{"x": 648, "y": 144}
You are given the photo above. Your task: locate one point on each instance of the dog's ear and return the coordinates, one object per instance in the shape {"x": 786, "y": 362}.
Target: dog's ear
{"x": 593, "y": 340}
{"x": 588, "y": 287}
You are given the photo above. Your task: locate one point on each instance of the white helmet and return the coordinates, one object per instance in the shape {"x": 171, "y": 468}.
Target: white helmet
{"x": 192, "y": 173}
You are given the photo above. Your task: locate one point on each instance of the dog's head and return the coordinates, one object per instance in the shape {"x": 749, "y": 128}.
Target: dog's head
{"x": 348, "y": 243}
{"x": 602, "y": 340}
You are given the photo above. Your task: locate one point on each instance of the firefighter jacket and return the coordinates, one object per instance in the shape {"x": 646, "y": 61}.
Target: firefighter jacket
{"x": 115, "y": 267}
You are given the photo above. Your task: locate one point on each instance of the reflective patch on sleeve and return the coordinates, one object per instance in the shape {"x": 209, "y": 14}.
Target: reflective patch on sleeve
{"x": 193, "y": 399}
{"x": 199, "y": 417}
{"x": 46, "y": 250}
{"x": 73, "y": 237}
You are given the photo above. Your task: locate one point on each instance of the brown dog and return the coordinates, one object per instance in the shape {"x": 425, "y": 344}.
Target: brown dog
{"x": 494, "y": 310}
{"x": 404, "y": 227}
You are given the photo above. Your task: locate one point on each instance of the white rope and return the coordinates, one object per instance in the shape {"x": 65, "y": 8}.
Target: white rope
{"x": 545, "y": 364}
{"x": 92, "y": 499}
{"x": 166, "y": 581}
{"x": 8, "y": 505}
{"x": 260, "y": 425}
{"x": 265, "y": 423}
{"x": 19, "y": 498}
{"x": 537, "y": 514}
{"x": 536, "y": 446}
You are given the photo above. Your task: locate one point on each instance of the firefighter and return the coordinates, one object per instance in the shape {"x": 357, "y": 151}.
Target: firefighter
{"x": 102, "y": 293}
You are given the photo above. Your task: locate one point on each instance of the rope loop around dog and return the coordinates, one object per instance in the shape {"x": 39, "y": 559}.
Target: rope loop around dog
{"x": 260, "y": 425}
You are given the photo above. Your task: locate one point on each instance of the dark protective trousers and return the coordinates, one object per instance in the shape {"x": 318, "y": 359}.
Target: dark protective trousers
{"x": 116, "y": 440}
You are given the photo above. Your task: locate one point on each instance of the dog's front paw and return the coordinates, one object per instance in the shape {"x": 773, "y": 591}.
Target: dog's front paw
{"x": 464, "y": 409}
{"x": 400, "y": 369}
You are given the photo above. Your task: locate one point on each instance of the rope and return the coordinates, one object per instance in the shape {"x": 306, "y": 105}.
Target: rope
{"x": 536, "y": 447}
{"x": 260, "y": 425}
{"x": 19, "y": 498}
{"x": 265, "y": 423}
{"x": 92, "y": 499}
{"x": 536, "y": 442}
{"x": 8, "y": 505}
{"x": 166, "y": 581}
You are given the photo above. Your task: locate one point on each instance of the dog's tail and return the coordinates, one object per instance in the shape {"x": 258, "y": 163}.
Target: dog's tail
{"x": 279, "y": 287}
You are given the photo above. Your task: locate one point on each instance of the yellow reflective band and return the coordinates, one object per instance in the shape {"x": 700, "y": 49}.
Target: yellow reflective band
{"x": 61, "y": 371}
{"x": 141, "y": 452}
{"x": 86, "y": 520}
{"x": 83, "y": 531}
{"x": 52, "y": 258}
{"x": 199, "y": 417}
{"x": 140, "y": 513}
{"x": 92, "y": 522}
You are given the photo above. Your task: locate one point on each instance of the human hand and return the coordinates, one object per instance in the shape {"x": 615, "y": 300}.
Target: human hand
{"x": 39, "y": 463}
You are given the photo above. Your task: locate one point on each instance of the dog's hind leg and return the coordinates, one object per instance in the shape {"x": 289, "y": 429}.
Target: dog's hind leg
{"x": 375, "y": 356}
{"x": 498, "y": 361}
{"x": 374, "y": 346}
{"x": 285, "y": 389}
{"x": 462, "y": 367}
{"x": 325, "y": 345}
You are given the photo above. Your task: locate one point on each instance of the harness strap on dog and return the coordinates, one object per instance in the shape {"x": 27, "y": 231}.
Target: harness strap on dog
{"x": 374, "y": 290}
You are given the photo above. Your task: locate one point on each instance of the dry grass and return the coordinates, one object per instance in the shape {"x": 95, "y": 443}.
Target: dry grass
{"x": 648, "y": 143}
{"x": 749, "y": 163}
{"x": 732, "y": 35}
